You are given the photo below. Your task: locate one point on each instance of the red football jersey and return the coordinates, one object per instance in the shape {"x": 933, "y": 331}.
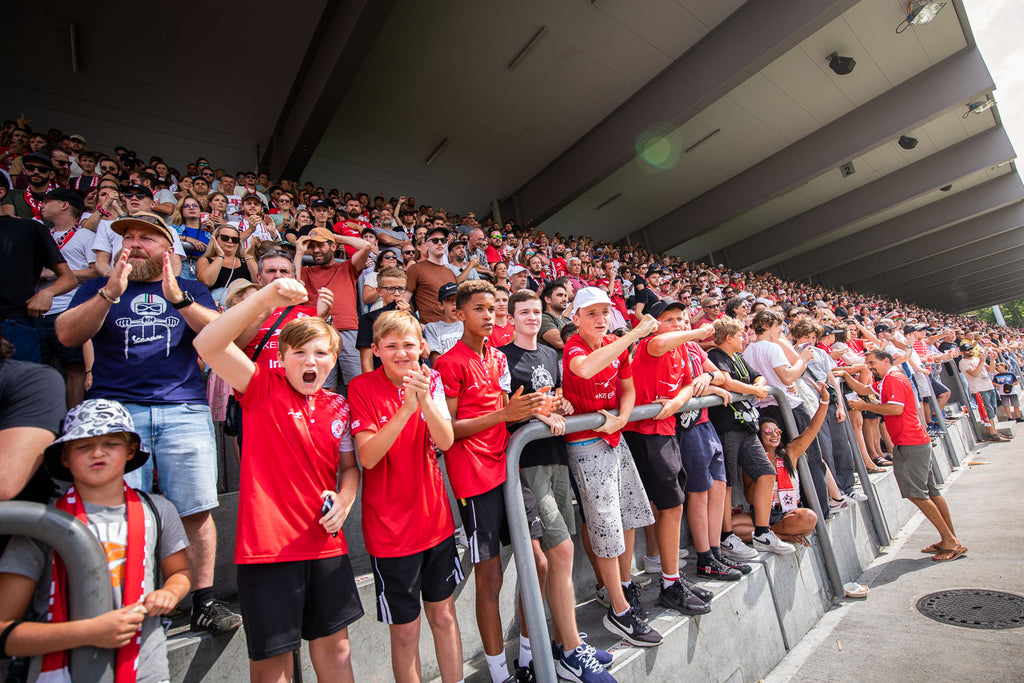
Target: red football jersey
{"x": 501, "y": 335}
{"x": 405, "y": 504}
{"x": 600, "y": 392}
{"x": 658, "y": 377}
{"x": 904, "y": 429}
{"x": 268, "y": 356}
{"x": 476, "y": 463}
{"x": 697, "y": 356}
{"x": 290, "y": 454}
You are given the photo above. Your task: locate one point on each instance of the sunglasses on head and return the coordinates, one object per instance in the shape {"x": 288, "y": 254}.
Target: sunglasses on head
{"x": 229, "y": 239}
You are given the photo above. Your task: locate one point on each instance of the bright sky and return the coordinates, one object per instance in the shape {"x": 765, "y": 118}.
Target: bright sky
{"x": 998, "y": 27}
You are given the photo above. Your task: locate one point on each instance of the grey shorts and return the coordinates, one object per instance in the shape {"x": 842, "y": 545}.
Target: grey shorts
{"x": 913, "y": 468}
{"x": 1009, "y": 400}
{"x": 743, "y": 451}
{"x": 612, "y": 496}
{"x": 551, "y": 488}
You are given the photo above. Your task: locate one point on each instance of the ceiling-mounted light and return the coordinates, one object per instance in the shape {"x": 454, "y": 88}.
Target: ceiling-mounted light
{"x": 945, "y": 188}
{"x": 907, "y": 142}
{"x": 841, "y": 65}
{"x": 979, "y": 107}
{"x": 919, "y": 13}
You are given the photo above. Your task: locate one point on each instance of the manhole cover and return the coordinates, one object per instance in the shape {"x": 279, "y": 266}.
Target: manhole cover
{"x": 974, "y": 608}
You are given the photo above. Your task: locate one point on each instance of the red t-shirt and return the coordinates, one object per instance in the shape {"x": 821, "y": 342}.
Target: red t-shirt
{"x": 904, "y": 429}
{"x": 493, "y": 255}
{"x": 345, "y": 227}
{"x": 697, "y": 356}
{"x": 340, "y": 278}
{"x": 558, "y": 265}
{"x": 501, "y": 335}
{"x": 600, "y": 392}
{"x": 290, "y": 454}
{"x": 614, "y": 293}
{"x": 268, "y": 356}
{"x": 405, "y": 504}
{"x": 658, "y": 377}
{"x": 476, "y": 463}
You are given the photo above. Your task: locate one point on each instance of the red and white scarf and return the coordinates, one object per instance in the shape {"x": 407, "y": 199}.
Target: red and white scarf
{"x": 35, "y": 204}
{"x": 55, "y": 664}
{"x": 66, "y": 237}
{"x": 786, "y": 493}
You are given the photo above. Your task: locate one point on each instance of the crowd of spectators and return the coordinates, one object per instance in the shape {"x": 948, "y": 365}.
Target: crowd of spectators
{"x": 114, "y": 263}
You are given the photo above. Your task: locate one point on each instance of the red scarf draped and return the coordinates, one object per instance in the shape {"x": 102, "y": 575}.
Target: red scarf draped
{"x": 789, "y": 499}
{"x": 66, "y": 237}
{"x": 125, "y": 669}
{"x": 34, "y": 204}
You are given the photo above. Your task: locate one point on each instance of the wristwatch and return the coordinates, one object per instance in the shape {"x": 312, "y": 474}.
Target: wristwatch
{"x": 186, "y": 300}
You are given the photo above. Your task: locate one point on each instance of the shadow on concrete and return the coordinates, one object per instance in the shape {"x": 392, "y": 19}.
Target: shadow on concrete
{"x": 893, "y": 570}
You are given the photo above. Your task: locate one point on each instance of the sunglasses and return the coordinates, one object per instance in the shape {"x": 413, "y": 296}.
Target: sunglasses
{"x": 190, "y": 206}
{"x": 394, "y": 290}
{"x": 229, "y": 239}
{"x": 108, "y": 169}
{"x": 408, "y": 253}
{"x": 391, "y": 256}
{"x": 32, "y": 168}
{"x": 135, "y": 195}
{"x": 437, "y": 240}
{"x": 60, "y": 163}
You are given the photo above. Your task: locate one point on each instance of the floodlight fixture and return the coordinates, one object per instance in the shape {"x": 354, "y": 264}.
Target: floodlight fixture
{"x": 907, "y": 142}
{"x": 841, "y": 65}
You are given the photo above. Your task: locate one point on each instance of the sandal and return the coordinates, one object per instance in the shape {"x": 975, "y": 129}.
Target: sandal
{"x": 949, "y": 554}
{"x": 882, "y": 462}
{"x": 931, "y": 549}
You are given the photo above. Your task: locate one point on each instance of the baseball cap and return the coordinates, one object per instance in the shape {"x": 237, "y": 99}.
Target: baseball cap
{"x": 515, "y": 270}
{"x": 253, "y": 195}
{"x": 139, "y": 188}
{"x": 659, "y": 307}
{"x": 316, "y": 204}
{"x": 882, "y": 327}
{"x": 443, "y": 231}
{"x": 589, "y": 296}
{"x": 447, "y": 289}
{"x": 76, "y": 136}
{"x": 320, "y": 235}
{"x": 64, "y": 195}
{"x": 828, "y": 329}
{"x": 38, "y": 157}
{"x": 93, "y": 417}
{"x": 143, "y": 219}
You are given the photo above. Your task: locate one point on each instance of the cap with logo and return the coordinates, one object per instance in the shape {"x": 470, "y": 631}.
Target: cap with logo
{"x": 447, "y": 289}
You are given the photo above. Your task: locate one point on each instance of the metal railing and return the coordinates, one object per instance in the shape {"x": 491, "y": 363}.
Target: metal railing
{"x": 874, "y": 507}
{"x": 89, "y": 592}
{"x": 530, "y": 593}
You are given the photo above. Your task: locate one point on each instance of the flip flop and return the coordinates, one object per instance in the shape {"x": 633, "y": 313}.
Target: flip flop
{"x": 931, "y": 549}
{"x": 947, "y": 554}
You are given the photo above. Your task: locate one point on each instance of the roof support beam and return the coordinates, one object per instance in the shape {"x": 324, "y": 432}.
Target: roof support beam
{"x": 1008, "y": 288}
{"x": 987, "y": 234}
{"x": 973, "y": 287}
{"x": 974, "y": 154}
{"x": 871, "y": 251}
{"x": 340, "y": 44}
{"x": 922, "y": 98}
{"x": 754, "y": 36}
{"x": 962, "y": 275}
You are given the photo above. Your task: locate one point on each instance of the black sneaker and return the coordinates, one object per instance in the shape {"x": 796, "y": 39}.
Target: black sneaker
{"x": 698, "y": 590}
{"x": 677, "y": 597}
{"x": 716, "y": 570}
{"x": 523, "y": 674}
{"x": 743, "y": 568}
{"x": 632, "y": 628}
{"x": 633, "y": 598}
{"x": 215, "y": 617}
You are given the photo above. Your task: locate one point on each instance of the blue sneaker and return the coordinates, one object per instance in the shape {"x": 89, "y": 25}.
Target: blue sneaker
{"x": 577, "y": 665}
{"x": 603, "y": 658}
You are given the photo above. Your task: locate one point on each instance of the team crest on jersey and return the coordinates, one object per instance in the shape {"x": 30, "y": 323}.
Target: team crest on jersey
{"x": 541, "y": 377}
{"x": 337, "y": 428}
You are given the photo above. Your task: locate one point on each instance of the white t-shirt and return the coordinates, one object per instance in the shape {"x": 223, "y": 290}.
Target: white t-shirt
{"x": 765, "y": 356}
{"x": 109, "y": 241}
{"x": 77, "y": 252}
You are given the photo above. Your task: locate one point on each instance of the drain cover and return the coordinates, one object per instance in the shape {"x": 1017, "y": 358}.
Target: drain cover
{"x": 974, "y": 608}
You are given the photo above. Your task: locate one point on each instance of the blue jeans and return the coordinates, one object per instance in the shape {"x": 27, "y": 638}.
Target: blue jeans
{"x": 179, "y": 438}
{"x": 24, "y": 334}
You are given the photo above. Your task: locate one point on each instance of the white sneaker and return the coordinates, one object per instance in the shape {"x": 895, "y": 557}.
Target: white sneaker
{"x": 837, "y": 505}
{"x": 652, "y": 566}
{"x": 856, "y": 497}
{"x": 735, "y": 549}
{"x": 770, "y": 543}
{"x": 602, "y": 596}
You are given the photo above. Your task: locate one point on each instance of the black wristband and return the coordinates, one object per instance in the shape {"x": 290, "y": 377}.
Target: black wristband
{"x": 6, "y": 634}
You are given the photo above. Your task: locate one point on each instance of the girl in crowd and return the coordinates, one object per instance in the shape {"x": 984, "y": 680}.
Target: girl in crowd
{"x": 225, "y": 261}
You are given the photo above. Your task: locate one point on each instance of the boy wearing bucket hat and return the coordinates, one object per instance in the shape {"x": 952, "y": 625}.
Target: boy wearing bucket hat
{"x": 138, "y": 532}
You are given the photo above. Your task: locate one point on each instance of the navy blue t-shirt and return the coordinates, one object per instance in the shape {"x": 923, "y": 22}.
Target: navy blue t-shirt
{"x": 144, "y": 351}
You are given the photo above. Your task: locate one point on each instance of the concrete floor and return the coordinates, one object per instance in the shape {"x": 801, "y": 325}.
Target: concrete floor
{"x": 884, "y": 637}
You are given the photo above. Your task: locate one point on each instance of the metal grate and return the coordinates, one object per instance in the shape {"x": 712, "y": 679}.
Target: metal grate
{"x": 974, "y": 608}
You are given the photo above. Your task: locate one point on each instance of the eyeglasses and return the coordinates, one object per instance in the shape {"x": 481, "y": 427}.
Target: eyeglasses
{"x": 393, "y": 290}
{"x": 135, "y": 195}
{"x": 229, "y": 239}
{"x": 437, "y": 240}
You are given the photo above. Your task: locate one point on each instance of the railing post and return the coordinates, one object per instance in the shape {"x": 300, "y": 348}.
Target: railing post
{"x": 811, "y": 497}
{"x": 874, "y": 508}
{"x": 89, "y": 592}
{"x": 947, "y": 440}
{"x": 964, "y": 398}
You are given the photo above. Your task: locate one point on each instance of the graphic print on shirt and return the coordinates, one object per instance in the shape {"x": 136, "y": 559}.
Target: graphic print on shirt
{"x": 148, "y": 327}
{"x": 541, "y": 377}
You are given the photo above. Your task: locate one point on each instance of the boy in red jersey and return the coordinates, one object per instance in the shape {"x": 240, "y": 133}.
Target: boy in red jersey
{"x": 399, "y": 415}
{"x": 597, "y": 377}
{"x": 295, "y": 580}
{"x": 472, "y": 372}
{"x": 663, "y": 376}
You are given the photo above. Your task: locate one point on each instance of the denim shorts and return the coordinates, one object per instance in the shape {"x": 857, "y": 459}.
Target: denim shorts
{"x": 182, "y": 447}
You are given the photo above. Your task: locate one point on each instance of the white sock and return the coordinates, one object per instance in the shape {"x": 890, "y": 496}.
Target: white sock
{"x": 525, "y": 653}
{"x": 654, "y": 558}
{"x": 498, "y": 667}
{"x": 667, "y": 580}
{"x": 627, "y": 584}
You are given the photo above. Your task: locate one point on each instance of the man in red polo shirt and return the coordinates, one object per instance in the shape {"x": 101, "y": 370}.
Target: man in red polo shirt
{"x": 912, "y": 455}
{"x": 472, "y": 372}
{"x": 399, "y": 414}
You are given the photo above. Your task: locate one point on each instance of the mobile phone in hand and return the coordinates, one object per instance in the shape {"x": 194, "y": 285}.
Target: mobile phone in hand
{"x": 328, "y": 504}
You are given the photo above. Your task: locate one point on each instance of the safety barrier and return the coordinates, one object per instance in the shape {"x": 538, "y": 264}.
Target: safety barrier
{"x": 89, "y": 592}
{"x": 530, "y": 593}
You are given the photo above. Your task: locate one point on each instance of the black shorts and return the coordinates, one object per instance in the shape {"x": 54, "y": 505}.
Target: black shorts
{"x": 50, "y": 347}
{"x": 701, "y": 452}
{"x": 743, "y": 452}
{"x": 659, "y": 465}
{"x": 285, "y": 602}
{"x": 399, "y": 581}
{"x": 486, "y": 524}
